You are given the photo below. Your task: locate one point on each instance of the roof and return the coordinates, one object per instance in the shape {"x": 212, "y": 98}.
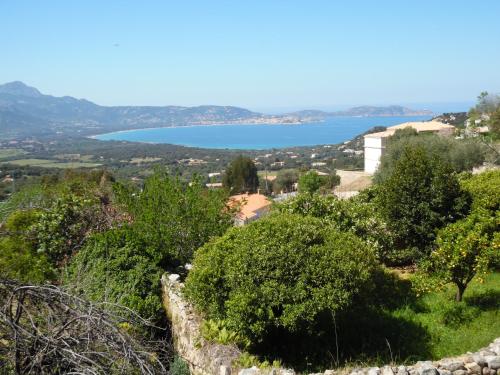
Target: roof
{"x": 250, "y": 203}
{"x": 419, "y": 126}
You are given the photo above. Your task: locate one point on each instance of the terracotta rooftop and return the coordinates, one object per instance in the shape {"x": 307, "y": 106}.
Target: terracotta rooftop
{"x": 250, "y": 203}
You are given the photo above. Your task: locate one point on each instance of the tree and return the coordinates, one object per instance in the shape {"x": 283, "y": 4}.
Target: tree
{"x": 176, "y": 217}
{"x": 310, "y": 182}
{"x": 465, "y": 249}
{"x": 241, "y": 176}
{"x": 283, "y": 272}
{"x": 420, "y": 196}
{"x": 462, "y": 155}
{"x": 285, "y": 180}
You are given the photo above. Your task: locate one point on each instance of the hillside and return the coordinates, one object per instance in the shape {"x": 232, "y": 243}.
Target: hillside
{"x": 25, "y": 111}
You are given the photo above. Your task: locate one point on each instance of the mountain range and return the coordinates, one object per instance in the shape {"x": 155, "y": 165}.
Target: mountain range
{"x": 25, "y": 111}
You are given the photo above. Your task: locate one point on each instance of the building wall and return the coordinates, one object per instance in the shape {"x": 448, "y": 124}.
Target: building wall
{"x": 373, "y": 153}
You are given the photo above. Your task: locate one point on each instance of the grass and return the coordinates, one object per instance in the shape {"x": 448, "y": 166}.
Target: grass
{"x": 6, "y": 153}
{"x": 455, "y": 328}
{"x": 390, "y": 324}
{"x": 46, "y": 163}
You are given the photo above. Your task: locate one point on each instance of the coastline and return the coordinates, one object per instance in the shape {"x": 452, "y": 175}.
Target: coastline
{"x": 200, "y": 125}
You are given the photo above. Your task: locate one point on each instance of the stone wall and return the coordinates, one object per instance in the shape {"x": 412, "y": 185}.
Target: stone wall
{"x": 206, "y": 358}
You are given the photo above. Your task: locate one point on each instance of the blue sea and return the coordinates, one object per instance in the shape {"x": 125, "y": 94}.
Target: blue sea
{"x": 262, "y": 136}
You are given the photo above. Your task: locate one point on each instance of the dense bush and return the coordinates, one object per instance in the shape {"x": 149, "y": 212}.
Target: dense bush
{"x": 281, "y": 272}
{"x": 19, "y": 258}
{"x": 118, "y": 267}
{"x": 461, "y": 155}
{"x": 356, "y": 215}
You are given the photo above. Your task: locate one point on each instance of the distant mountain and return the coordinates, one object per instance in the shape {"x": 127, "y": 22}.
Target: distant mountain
{"x": 366, "y": 111}
{"x": 26, "y": 111}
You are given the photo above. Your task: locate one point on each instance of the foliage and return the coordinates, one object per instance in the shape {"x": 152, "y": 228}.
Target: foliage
{"x": 309, "y": 182}
{"x": 117, "y": 266}
{"x": 283, "y": 271}
{"x": 356, "y": 215}
{"x": 174, "y": 217}
{"x": 285, "y": 180}
{"x": 420, "y": 196}
{"x": 62, "y": 228}
{"x": 178, "y": 367}
{"x": 18, "y": 256}
{"x": 241, "y": 176}
{"x": 484, "y": 189}
{"x": 217, "y": 331}
{"x": 461, "y": 155}
{"x": 465, "y": 250}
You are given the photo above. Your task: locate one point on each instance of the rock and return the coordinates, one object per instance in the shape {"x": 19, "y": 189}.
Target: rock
{"x": 173, "y": 278}
{"x": 249, "y": 371}
{"x": 452, "y": 365}
{"x": 486, "y": 353}
{"x": 495, "y": 347}
{"x": 473, "y": 368}
{"x": 224, "y": 370}
{"x": 387, "y": 370}
{"x": 444, "y": 372}
{"x": 493, "y": 362}
{"x": 287, "y": 372}
{"x": 486, "y": 371}
{"x": 427, "y": 369}
{"x": 460, "y": 372}
{"x": 479, "y": 359}
{"x": 423, "y": 363}
{"x": 329, "y": 372}
{"x": 402, "y": 371}
{"x": 373, "y": 371}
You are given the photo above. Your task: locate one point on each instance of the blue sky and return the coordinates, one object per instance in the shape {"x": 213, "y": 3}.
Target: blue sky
{"x": 269, "y": 54}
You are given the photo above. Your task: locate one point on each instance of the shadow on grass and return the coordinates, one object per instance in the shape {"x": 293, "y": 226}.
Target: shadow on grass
{"x": 367, "y": 332}
{"x": 487, "y": 300}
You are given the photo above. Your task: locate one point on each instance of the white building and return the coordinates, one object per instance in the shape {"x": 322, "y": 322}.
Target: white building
{"x": 375, "y": 143}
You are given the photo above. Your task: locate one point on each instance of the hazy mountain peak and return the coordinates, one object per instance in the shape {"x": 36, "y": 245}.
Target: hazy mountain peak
{"x": 19, "y": 88}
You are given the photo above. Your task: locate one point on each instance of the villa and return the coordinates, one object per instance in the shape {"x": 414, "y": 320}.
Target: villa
{"x": 375, "y": 143}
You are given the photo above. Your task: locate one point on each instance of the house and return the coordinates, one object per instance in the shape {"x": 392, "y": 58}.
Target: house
{"x": 375, "y": 143}
{"x": 251, "y": 207}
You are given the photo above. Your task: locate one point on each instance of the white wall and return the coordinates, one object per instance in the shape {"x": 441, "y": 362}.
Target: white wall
{"x": 373, "y": 152}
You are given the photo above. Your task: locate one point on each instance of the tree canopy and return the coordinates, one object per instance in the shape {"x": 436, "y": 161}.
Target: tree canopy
{"x": 241, "y": 176}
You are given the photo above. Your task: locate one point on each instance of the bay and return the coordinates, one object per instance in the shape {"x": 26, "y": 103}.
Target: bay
{"x": 260, "y": 136}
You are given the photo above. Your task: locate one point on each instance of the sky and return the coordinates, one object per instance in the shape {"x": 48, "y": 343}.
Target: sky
{"x": 260, "y": 54}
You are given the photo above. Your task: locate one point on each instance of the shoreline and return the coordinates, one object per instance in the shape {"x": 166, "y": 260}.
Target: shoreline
{"x": 198, "y": 125}
{"x": 241, "y": 124}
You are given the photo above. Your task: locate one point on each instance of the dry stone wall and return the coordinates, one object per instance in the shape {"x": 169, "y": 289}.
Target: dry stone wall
{"x": 206, "y": 358}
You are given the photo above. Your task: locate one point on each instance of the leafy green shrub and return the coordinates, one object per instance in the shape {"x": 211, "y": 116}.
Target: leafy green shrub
{"x": 178, "y": 367}
{"x": 458, "y": 314}
{"x": 217, "y": 331}
{"x": 116, "y": 266}
{"x": 283, "y": 271}
{"x": 356, "y": 215}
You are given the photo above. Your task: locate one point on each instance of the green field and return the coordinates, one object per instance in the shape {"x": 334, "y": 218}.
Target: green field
{"x": 6, "y": 153}
{"x": 46, "y": 163}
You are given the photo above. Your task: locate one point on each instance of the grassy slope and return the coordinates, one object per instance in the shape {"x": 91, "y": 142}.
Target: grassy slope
{"x": 455, "y": 328}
